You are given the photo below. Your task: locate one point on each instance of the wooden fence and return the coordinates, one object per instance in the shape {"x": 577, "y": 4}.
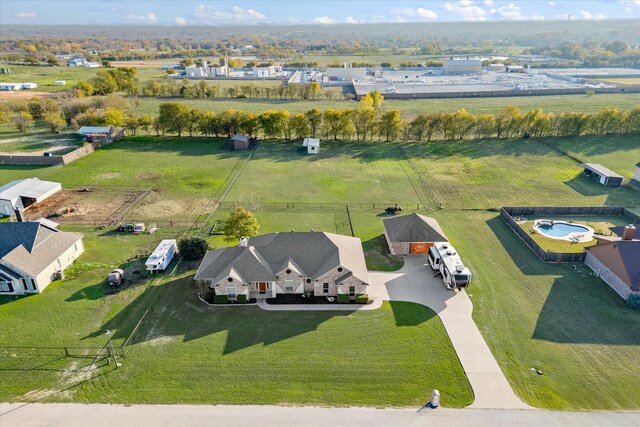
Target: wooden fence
{"x": 549, "y": 256}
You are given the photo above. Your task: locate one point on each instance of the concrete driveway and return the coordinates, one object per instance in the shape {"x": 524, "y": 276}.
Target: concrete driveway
{"x": 415, "y": 283}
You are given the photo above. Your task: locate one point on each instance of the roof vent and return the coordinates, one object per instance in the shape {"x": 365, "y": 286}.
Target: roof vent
{"x": 449, "y": 252}
{"x": 445, "y": 246}
{"x": 243, "y": 242}
{"x": 459, "y": 268}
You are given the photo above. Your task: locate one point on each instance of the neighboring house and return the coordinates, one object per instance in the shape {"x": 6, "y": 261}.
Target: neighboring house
{"x": 617, "y": 261}
{"x": 312, "y": 263}
{"x": 33, "y": 254}
{"x": 412, "y": 234}
{"x": 312, "y": 144}
{"x": 636, "y": 175}
{"x": 240, "y": 142}
{"x": 603, "y": 175}
{"x": 22, "y": 193}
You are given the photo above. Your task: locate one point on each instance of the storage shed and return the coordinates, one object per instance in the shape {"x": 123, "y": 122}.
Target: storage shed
{"x": 312, "y": 144}
{"x": 603, "y": 175}
{"x": 240, "y": 142}
{"x": 412, "y": 234}
{"x": 636, "y": 175}
{"x": 22, "y": 193}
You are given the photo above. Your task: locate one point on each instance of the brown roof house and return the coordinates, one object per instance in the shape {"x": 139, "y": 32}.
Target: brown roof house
{"x": 617, "y": 261}
{"x": 412, "y": 234}
{"x": 33, "y": 254}
{"x": 312, "y": 263}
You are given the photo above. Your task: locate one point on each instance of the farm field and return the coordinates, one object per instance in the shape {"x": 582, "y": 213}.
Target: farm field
{"x": 45, "y": 76}
{"x": 495, "y": 173}
{"x": 37, "y": 142}
{"x": 618, "y": 153}
{"x": 532, "y": 314}
{"x": 413, "y": 107}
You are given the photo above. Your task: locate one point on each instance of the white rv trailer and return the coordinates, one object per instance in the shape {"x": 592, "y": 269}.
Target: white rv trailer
{"x": 161, "y": 256}
{"x": 444, "y": 258}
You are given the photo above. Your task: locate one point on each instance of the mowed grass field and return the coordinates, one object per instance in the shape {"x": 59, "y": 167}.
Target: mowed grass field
{"x": 412, "y": 107}
{"x": 496, "y": 173}
{"x": 45, "y": 76}
{"x": 552, "y": 317}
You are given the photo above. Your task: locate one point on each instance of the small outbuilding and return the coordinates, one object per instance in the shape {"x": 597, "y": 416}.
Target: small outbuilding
{"x": 60, "y": 83}
{"x": 636, "y": 175}
{"x": 412, "y": 234}
{"x": 240, "y": 142}
{"x": 22, "y": 193}
{"x": 312, "y": 144}
{"x": 10, "y": 86}
{"x": 603, "y": 175}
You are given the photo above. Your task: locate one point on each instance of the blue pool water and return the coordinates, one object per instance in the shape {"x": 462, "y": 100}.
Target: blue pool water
{"x": 562, "y": 229}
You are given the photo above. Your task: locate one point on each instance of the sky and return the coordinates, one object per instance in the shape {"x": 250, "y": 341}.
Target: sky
{"x": 320, "y": 12}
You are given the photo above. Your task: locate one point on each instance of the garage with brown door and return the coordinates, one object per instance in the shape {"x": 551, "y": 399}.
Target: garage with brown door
{"x": 412, "y": 234}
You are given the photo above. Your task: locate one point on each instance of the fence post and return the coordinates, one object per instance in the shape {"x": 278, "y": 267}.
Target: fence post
{"x": 66, "y": 352}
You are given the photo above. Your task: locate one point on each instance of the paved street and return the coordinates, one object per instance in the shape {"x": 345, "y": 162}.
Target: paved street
{"x": 75, "y": 414}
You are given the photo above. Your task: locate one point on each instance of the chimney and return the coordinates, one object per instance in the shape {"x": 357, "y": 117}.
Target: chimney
{"x": 629, "y": 232}
{"x": 243, "y": 242}
{"x": 19, "y": 215}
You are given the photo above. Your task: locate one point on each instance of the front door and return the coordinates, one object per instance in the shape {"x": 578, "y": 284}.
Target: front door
{"x": 262, "y": 287}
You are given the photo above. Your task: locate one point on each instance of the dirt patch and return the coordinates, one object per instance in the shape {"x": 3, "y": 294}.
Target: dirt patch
{"x": 107, "y": 176}
{"x": 147, "y": 176}
{"x": 25, "y": 94}
{"x": 82, "y": 207}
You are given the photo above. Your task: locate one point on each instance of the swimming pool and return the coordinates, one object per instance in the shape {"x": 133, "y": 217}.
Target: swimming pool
{"x": 562, "y": 230}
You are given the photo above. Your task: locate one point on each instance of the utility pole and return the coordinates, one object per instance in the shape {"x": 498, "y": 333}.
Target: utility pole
{"x": 111, "y": 352}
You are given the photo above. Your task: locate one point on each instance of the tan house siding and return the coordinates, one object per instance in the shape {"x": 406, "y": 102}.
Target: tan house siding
{"x": 608, "y": 276}
{"x": 298, "y": 281}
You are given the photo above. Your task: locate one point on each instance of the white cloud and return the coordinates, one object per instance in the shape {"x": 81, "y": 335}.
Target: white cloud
{"x": 488, "y": 2}
{"x": 180, "y": 20}
{"x": 323, "y": 20}
{"x": 418, "y": 13}
{"x": 293, "y": 20}
{"x": 467, "y": 9}
{"x": 511, "y": 11}
{"x": 148, "y": 18}
{"x": 552, "y": 4}
{"x": 211, "y": 15}
{"x": 352, "y": 20}
{"x": 584, "y": 14}
{"x": 25, "y": 15}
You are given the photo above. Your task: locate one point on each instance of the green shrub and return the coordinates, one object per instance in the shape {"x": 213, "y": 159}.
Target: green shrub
{"x": 241, "y": 299}
{"x": 192, "y": 248}
{"x": 634, "y": 300}
{"x": 343, "y": 298}
{"x": 220, "y": 299}
{"x": 362, "y": 299}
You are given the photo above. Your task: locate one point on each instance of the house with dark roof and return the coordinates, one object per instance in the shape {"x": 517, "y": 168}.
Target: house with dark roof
{"x": 312, "y": 263}
{"x": 33, "y": 254}
{"x": 616, "y": 259}
{"x": 412, "y": 234}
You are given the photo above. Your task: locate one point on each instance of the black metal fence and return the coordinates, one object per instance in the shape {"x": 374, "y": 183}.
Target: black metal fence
{"x": 549, "y": 256}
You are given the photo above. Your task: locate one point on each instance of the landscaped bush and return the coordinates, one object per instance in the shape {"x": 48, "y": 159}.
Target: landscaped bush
{"x": 634, "y": 300}
{"x": 362, "y": 299}
{"x": 220, "y": 299}
{"x": 192, "y": 248}
{"x": 343, "y": 298}
{"x": 242, "y": 299}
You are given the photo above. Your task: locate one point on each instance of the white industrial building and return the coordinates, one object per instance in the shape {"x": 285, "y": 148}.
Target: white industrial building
{"x": 23, "y": 193}
{"x": 462, "y": 66}
{"x": 270, "y": 71}
{"x": 346, "y": 73}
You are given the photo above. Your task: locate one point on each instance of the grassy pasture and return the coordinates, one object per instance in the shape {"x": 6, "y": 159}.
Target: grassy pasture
{"x": 495, "y": 173}
{"x": 45, "y": 76}
{"x": 42, "y": 140}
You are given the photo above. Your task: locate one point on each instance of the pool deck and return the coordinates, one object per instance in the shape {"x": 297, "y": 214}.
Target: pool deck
{"x": 575, "y": 237}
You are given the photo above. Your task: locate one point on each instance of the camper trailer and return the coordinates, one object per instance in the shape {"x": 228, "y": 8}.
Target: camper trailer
{"x": 444, "y": 259}
{"x": 161, "y": 256}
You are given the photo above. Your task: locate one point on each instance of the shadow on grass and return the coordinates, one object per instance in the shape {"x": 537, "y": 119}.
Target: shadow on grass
{"x": 410, "y": 314}
{"x": 134, "y": 273}
{"x": 177, "y": 312}
{"x": 378, "y": 257}
{"x": 586, "y": 311}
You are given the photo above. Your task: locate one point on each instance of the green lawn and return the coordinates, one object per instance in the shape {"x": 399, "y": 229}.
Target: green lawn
{"x": 533, "y": 314}
{"x": 496, "y": 173}
{"x": 11, "y": 142}
{"x": 45, "y": 76}
{"x": 618, "y": 153}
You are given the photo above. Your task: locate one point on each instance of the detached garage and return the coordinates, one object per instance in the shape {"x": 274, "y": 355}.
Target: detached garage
{"x": 603, "y": 175}
{"x": 412, "y": 234}
{"x": 23, "y": 193}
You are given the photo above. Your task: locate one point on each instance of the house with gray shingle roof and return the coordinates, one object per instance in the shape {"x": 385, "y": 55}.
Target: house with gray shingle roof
{"x": 412, "y": 234}
{"x": 312, "y": 263}
{"x": 33, "y": 254}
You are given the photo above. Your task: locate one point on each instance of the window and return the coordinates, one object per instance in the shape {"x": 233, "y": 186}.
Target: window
{"x": 352, "y": 291}
{"x": 231, "y": 291}
{"x": 288, "y": 285}
{"x": 33, "y": 284}
{"x": 24, "y": 284}
{"x": 288, "y": 271}
{"x": 5, "y": 286}
{"x": 325, "y": 288}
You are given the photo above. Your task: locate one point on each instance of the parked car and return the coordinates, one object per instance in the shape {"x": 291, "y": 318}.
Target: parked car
{"x": 139, "y": 228}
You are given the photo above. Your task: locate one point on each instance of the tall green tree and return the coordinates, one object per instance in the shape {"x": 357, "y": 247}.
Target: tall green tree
{"x": 390, "y": 125}
{"x": 241, "y": 223}
{"x": 174, "y": 117}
